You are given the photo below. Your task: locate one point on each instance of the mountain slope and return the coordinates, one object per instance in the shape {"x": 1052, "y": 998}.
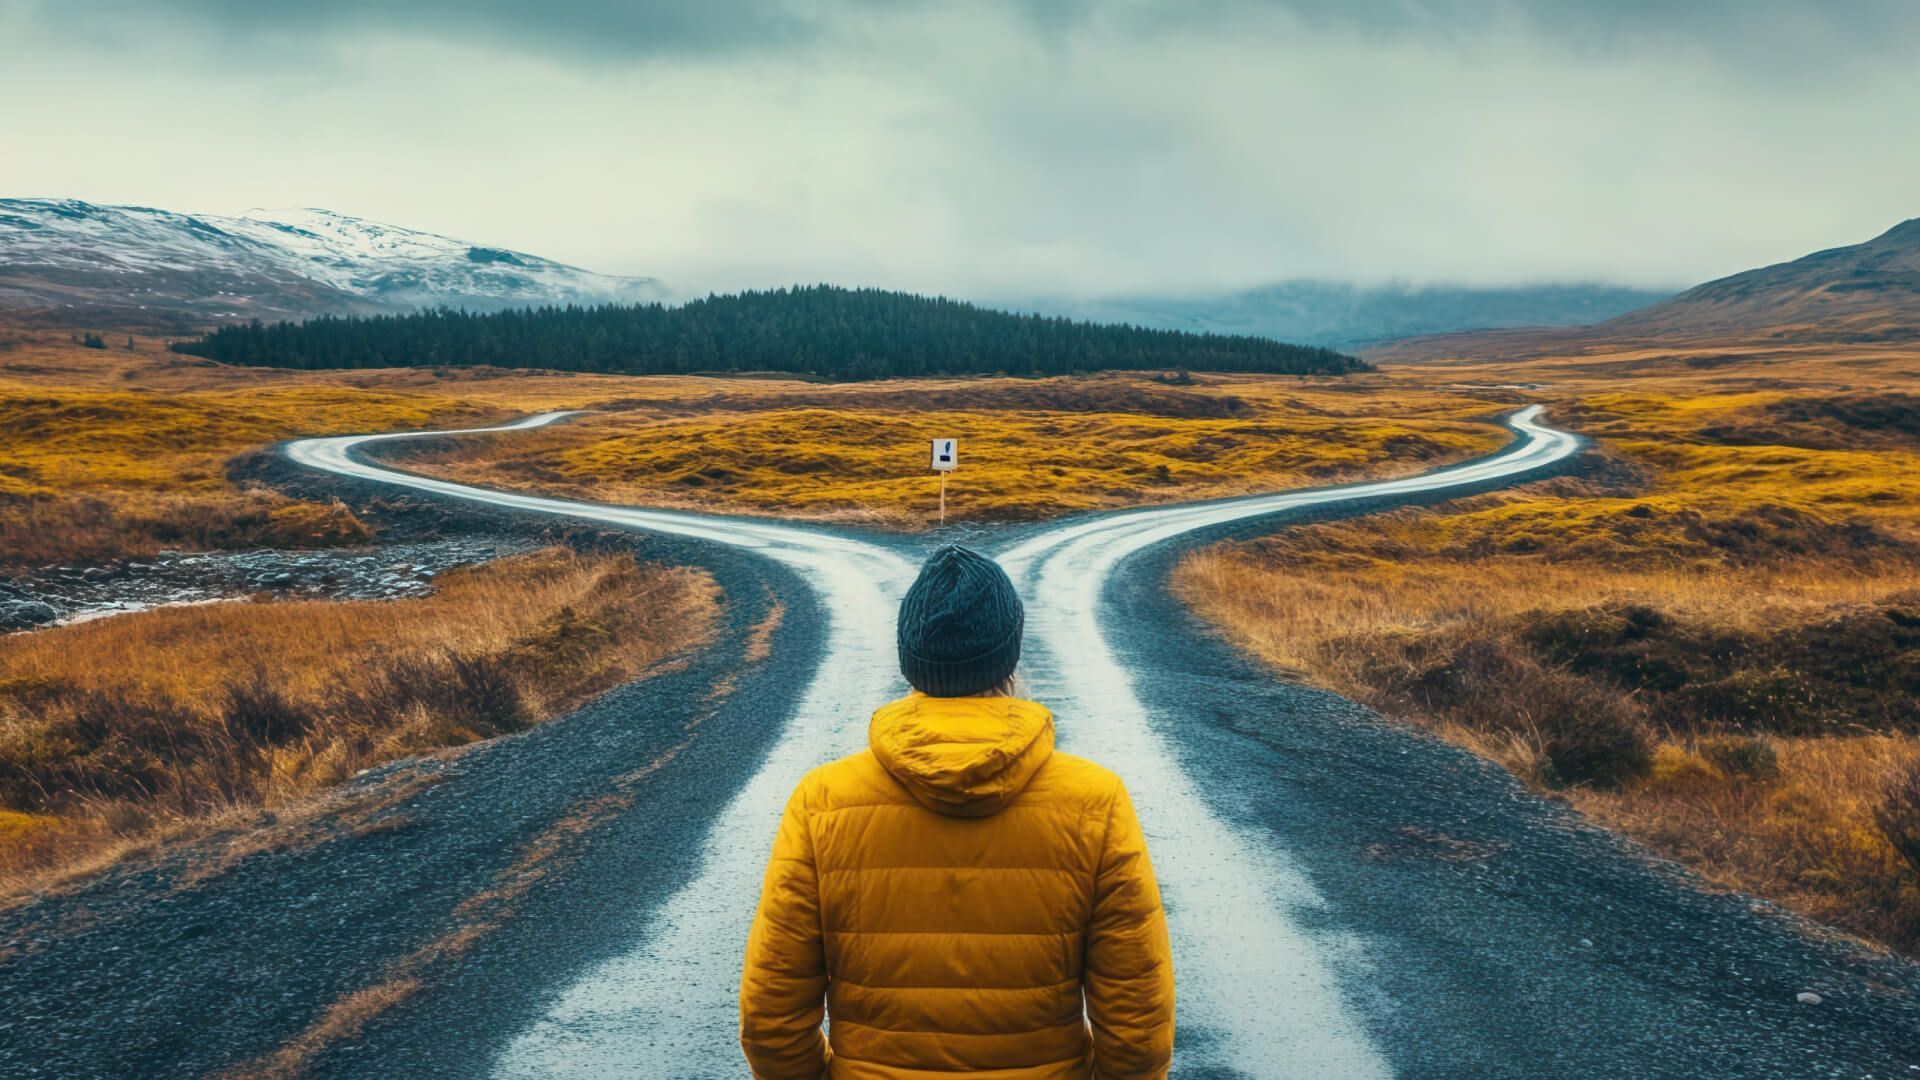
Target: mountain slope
{"x": 155, "y": 266}
{"x": 1861, "y": 293}
{"x": 1342, "y": 315}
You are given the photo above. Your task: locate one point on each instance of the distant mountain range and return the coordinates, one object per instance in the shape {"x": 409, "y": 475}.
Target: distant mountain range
{"x": 136, "y": 265}
{"x": 1344, "y": 316}
{"x": 75, "y": 263}
{"x": 1862, "y": 294}
{"x": 1858, "y": 294}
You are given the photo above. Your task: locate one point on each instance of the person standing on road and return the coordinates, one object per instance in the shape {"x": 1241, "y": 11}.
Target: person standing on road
{"x": 958, "y": 898}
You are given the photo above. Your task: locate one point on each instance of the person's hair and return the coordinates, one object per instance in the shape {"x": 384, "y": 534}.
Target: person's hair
{"x": 1011, "y": 686}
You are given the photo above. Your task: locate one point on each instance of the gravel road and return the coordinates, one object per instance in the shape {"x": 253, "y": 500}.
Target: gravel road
{"x": 1348, "y": 899}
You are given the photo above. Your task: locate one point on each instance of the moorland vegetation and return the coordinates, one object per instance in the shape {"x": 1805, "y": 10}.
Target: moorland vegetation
{"x": 1708, "y": 637}
{"x": 1029, "y": 450}
{"x": 1705, "y": 636}
{"x": 117, "y": 454}
{"x": 121, "y": 731}
{"x": 87, "y": 474}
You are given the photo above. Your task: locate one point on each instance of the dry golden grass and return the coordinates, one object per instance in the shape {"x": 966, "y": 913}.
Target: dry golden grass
{"x": 112, "y": 728}
{"x": 1805, "y": 836}
{"x": 88, "y": 475}
{"x": 122, "y": 451}
{"x": 118, "y": 452}
{"x": 34, "y": 359}
{"x": 1739, "y": 576}
{"x": 1715, "y": 479}
{"x": 97, "y": 528}
{"x": 1446, "y": 645}
{"x": 58, "y": 442}
{"x": 1286, "y": 609}
{"x": 857, "y": 461}
{"x": 1567, "y": 359}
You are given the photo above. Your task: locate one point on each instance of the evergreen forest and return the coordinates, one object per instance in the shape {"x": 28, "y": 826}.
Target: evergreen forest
{"x": 823, "y": 330}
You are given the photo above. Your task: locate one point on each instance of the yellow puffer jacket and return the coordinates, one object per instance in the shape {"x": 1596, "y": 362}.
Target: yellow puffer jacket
{"x": 962, "y": 900}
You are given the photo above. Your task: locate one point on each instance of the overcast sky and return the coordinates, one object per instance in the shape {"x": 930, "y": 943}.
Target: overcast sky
{"x": 1000, "y": 148}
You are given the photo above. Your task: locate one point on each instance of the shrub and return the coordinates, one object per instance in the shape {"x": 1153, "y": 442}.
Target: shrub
{"x": 313, "y": 525}
{"x": 1770, "y": 699}
{"x": 1741, "y": 755}
{"x": 1899, "y": 812}
{"x": 1620, "y": 642}
{"x": 258, "y": 712}
{"x": 1588, "y": 733}
{"x": 28, "y": 838}
{"x": 1443, "y": 675}
{"x": 93, "y": 744}
{"x": 466, "y": 696}
{"x": 1601, "y": 748}
{"x": 1849, "y": 667}
{"x": 1675, "y": 767}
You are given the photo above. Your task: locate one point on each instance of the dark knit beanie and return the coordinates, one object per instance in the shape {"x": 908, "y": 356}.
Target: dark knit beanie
{"x": 959, "y": 625}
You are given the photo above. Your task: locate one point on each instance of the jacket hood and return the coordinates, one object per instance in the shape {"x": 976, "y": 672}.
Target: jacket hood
{"x": 964, "y": 757}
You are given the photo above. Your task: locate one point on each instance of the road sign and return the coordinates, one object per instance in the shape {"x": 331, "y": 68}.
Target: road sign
{"x": 946, "y": 454}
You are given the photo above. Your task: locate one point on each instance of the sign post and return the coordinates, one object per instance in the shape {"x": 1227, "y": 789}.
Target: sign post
{"x": 946, "y": 457}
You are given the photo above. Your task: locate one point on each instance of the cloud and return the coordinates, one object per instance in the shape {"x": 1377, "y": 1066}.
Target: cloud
{"x": 605, "y": 30}
{"x": 1719, "y": 26}
{"x": 639, "y": 30}
{"x": 1003, "y": 148}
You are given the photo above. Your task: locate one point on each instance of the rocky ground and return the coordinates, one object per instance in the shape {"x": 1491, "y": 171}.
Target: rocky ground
{"x": 419, "y": 539}
{"x": 57, "y": 595}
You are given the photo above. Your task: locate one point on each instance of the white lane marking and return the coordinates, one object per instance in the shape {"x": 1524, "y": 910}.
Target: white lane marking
{"x": 1267, "y": 994}
{"x": 669, "y": 1002}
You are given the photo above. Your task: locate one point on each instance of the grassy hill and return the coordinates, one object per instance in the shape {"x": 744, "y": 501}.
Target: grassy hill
{"x": 1859, "y": 295}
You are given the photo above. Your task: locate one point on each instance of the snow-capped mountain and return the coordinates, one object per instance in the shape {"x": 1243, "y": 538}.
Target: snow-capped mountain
{"x": 159, "y": 266}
